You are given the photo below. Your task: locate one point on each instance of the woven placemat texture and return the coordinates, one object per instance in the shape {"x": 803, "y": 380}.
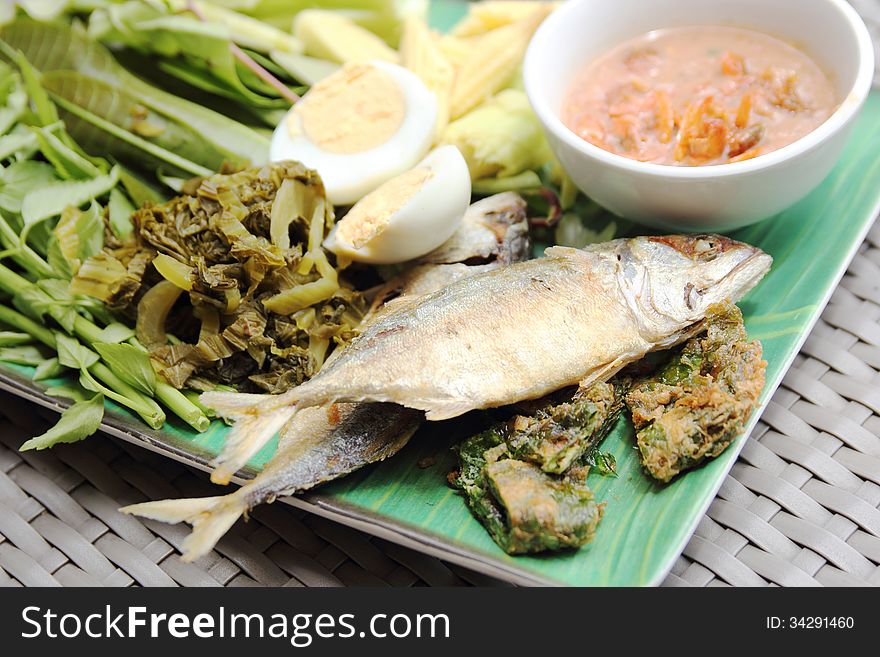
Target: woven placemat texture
{"x": 59, "y": 526}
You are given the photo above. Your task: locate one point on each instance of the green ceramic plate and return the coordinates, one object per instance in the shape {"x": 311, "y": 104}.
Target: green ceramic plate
{"x": 645, "y": 526}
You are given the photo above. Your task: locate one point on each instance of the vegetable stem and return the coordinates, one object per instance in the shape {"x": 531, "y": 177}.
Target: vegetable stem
{"x": 85, "y": 330}
{"x": 147, "y": 408}
{"x": 22, "y": 323}
{"x": 22, "y": 253}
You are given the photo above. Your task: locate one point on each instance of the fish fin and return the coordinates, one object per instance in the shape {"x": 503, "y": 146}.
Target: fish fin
{"x": 563, "y": 252}
{"x": 257, "y": 419}
{"x": 233, "y": 405}
{"x": 211, "y": 518}
{"x": 447, "y": 411}
{"x": 246, "y": 438}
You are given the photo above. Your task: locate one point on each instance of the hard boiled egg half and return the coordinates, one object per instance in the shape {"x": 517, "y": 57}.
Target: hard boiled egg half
{"x": 408, "y": 216}
{"x": 359, "y": 127}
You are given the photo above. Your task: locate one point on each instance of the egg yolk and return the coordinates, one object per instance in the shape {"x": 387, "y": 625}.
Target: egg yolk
{"x": 371, "y": 214}
{"x": 355, "y": 109}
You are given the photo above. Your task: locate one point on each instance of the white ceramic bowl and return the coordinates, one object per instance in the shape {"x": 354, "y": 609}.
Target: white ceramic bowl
{"x": 721, "y": 197}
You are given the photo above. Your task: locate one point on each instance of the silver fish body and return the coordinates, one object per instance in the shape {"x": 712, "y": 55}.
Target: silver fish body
{"x": 522, "y": 331}
{"x": 325, "y": 442}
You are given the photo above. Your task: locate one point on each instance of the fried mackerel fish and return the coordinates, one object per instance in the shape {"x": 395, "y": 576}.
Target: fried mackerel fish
{"x": 525, "y": 479}
{"x": 234, "y": 269}
{"x": 697, "y": 403}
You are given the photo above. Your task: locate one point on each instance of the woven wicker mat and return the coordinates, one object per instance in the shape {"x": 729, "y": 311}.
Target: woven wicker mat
{"x": 799, "y": 508}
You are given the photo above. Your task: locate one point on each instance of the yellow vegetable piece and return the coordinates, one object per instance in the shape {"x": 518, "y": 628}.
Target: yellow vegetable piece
{"x": 502, "y": 137}
{"x": 291, "y": 201}
{"x": 68, "y": 238}
{"x": 328, "y": 35}
{"x": 489, "y": 14}
{"x": 493, "y": 59}
{"x": 301, "y": 296}
{"x": 152, "y": 311}
{"x": 421, "y": 53}
{"x": 174, "y": 271}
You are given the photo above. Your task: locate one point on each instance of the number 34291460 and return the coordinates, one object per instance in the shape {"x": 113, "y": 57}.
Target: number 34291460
{"x": 810, "y": 622}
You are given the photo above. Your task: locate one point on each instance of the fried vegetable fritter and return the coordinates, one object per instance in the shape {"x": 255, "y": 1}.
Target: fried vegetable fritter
{"x": 524, "y": 479}
{"x": 696, "y": 404}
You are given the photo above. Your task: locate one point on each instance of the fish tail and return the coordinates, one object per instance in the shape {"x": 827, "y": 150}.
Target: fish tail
{"x": 211, "y": 518}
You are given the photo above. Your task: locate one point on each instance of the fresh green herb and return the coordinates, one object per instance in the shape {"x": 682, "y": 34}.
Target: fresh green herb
{"x": 41, "y": 204}
{"x": 14, "y": 339}
{"x": 132, "y": 364}
{"x": 22, "y": 355}
{"x": 48, "y": 369}
{"x": 78, "y": 421}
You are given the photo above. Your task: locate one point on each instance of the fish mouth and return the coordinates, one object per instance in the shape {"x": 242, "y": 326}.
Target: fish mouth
{"x": 747, "y": 273}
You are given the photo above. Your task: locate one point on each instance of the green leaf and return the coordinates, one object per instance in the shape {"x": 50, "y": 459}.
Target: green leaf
{"x": 56, "y": 259}
{"x": 23, "y": 355}
{"x": 20, "y": 142}
{"x": 55, "y": 46}
{"x": 44, "y": 10}
{"x": 42, "y": 204}
{"x": 204, "y": 47}
{"x": 123, "y": 141}
{"x": 131, "y": 364}
{"x": 70, "y": 390}
{"x": 50, "y": 297}
{"x": 69, "y": 163}
{"x": 44, "y": 110}
{"x": 33, "y": 302}
{"x": 139, "y": 190}
{"x": 72, "y": 354}
{"x": 120, "y": 210}
{"x": 48, "y": 369}
{"x": 77, "y": 422}
{"x": 14, "y": 338}
{"x": 12, "y": 110}
{"x": 21, "y": 178}
{"x": 115, "y": 333}
{"x": 90, "y": 232}
{"x": 124, "y": 124}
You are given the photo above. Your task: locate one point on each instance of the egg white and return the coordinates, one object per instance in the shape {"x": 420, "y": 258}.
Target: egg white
{"x": 424, "y": 221}
{"x": 348, "y": 177}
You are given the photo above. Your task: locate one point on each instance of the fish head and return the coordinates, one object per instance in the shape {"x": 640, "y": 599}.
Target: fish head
{"x": 676, "y": 278}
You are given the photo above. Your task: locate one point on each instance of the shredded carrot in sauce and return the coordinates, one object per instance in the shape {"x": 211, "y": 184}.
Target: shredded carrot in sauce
{"x": 698, "y": 96}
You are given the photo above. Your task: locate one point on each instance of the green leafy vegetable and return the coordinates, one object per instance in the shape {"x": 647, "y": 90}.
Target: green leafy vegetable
{"x": 133, "y": 124}
{"x": 57, "y": 47}
{"x": 115, "y": 332}
{"x": 72, "y": 354}
{"x": 120, "y": 210}
{"x": 71, "y": 390}
{"x": 21, "y": 178}
{"x": 77, "y": 422}
{"x": 50, "y": 201}
{"x": 22, "y": 355}
{"x": 48, "y": 369}
{"x": 14, "y": 338}
{"x": 132, "y": 365}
